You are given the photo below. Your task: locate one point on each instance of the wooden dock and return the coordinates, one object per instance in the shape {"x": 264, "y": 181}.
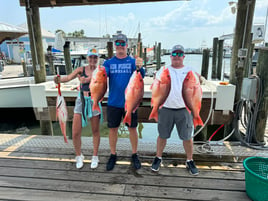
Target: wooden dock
{"x": 43, "y": 168}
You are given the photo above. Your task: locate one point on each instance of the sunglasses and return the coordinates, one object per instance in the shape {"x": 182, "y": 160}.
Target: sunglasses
{"x": 123, "y": 44}
{"x": 180, "y": 54}
{"x": 93, "y": 57}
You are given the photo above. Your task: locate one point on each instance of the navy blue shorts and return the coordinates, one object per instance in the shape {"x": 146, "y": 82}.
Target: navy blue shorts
{"x": 115, "y": 115}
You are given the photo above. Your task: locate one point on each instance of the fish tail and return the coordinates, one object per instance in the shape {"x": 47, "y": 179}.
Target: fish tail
{"x": 63, "y": 130}
{"x": 154, "y": 114}
{"x": 197, "y": 121}
{"x": 127, "y": 118}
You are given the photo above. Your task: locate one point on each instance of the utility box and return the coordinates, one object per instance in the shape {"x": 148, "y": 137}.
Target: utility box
{"x": 225, "y": 97}
{"x": 249, "y": 89}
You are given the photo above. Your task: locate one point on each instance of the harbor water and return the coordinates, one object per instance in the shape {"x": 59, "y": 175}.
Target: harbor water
{"x": 195, "y": 61}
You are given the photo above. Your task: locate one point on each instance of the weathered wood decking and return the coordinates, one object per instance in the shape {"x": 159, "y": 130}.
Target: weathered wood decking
{"x": 44, "y": 169}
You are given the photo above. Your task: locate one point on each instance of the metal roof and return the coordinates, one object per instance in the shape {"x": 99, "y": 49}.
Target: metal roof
{"x": 10, "y": 32}
{"x": 59, "y": 3}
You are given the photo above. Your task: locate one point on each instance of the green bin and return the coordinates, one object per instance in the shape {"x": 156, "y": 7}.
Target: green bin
{"x": 256, "y": 176}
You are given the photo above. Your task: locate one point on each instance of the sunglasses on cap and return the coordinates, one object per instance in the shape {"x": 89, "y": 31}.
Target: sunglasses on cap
{"x": 123, "y": 44}
{"x": 180, "y": 54}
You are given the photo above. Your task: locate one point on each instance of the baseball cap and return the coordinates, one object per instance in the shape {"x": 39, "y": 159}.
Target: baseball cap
{"x": 177, "y": 48}
{"x": 92, "y": 51}
{"x": 121, "y": 37}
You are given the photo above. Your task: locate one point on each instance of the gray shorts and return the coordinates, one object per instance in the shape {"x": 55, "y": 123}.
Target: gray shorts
{"x": 78, "y": 107}
{"x": 168, "y": 117}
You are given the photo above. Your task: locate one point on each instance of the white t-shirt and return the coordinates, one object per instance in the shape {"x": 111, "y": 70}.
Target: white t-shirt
{"x": 175, "y": 99}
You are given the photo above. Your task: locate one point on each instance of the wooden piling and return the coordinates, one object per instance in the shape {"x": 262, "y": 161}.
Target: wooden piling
{"x": 145, "y": 57}
{"x": 205, "y": 63}
{"x": 140, "y": 51}
{"x": 158, "y": 57}
{"x": 38, "y": 59}
{"x": 134, "y": 50}
{"x": 110, "y": 49}
{"x": 51, "y": 68}
{"x": 220, "y": 56}
{"x": 214, "y": 58}
{"x": 248, "y": 66}
{"x": 262, "y": 72}
{"x": 24, "y": 68}
{"x": 67, "y": 58}
{"x": 242, "y": 39}
{"x": 34, "y": 29}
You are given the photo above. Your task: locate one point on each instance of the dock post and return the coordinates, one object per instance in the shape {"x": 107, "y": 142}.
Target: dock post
{"x": 24, "y": 68}
{"x": 67, "y": 58}
{"x": 214, "y": 58}
{"x": 134, "y": 50}
{"x": 158, "y": 57}
{"x": 140, "y": 52}
{"x": 248, "y": 66}
{"x": 34, "y": 29}
{"x": 262, "y": 72}
{"x": 155, "y": 51}
{"x": 110, "y": 49}
{"x": 205, "y": 63}
{"x": 144, "y": 58}
{"x": 50, "y": 61}
{"x": 242, "y": 39}
{"x": 220, "y": 56}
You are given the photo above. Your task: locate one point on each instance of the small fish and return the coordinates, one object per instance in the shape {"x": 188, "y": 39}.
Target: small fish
{"x": 192, "y": 96}
{"x": 133, "y": 95}
{"x": 61, "y": 113}
{"x": 98, "y": 86}
{"x": 160, "y": 91}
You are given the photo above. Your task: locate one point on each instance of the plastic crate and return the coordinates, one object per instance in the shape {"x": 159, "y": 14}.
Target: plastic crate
{"x": 256, "y": 176}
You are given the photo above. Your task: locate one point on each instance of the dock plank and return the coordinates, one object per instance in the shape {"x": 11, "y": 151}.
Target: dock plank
{"x": 32, "y": 169}
{"x": 184, "y": 193}
{"x": 125, "y": 178}
{"x": 45, "y": 195}
{"x": 145, "y": 170}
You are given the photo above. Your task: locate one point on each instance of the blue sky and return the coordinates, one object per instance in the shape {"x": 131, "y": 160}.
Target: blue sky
{"x": 190, "y": 23}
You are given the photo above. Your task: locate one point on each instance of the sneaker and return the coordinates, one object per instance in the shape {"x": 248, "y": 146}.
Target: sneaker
{"x": 191, "y": 167}
{"x": 135, "y": 161}
{"x": 111, "y": 162}
{"x": 94, "y": 162}
{"x": 156, "y": 164}
{"x": 79, "y": 161}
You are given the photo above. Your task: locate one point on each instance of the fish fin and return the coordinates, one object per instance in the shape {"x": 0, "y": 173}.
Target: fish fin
{"x": 127, "y": 119}
{"x": 136, "y": 108}
{"x": 188, "y": 110}
{"x": 154, "y": 114}
{"x": 197, "y": 121}
{"x": 152, "y": 102}
{"x": 151, "y": 86}
{"x": 161, "y": 106}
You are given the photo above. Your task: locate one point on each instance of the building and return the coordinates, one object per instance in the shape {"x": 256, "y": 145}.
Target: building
{"x": 17, "y": 49}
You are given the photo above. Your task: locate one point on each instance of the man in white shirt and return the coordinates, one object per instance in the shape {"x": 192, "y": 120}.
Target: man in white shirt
{"x": 174, "y": 112}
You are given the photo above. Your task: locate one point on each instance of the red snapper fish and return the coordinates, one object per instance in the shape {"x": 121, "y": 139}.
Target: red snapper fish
{"x": 133, "y": 95}
{"x": 61, "y": 113}
{"x": 98, "y": 86}
{"x": 160, "y": 91}
{"x": 192, "y": 95}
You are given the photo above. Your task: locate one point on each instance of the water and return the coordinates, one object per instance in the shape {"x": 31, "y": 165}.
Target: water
{"x": 195, "y": 61}
{"x": 147, "y": 132}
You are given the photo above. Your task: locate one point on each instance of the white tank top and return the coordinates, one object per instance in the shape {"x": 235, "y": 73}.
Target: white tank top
{"x": 175, "y": 99}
